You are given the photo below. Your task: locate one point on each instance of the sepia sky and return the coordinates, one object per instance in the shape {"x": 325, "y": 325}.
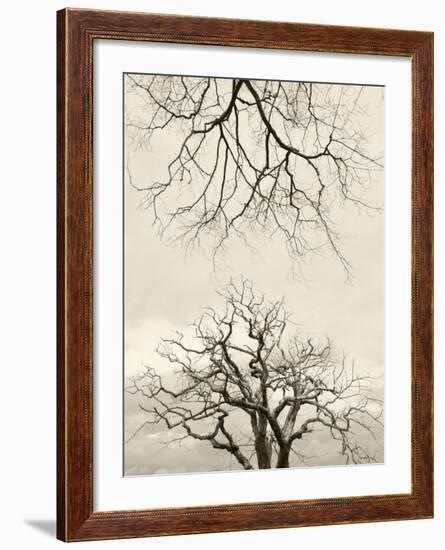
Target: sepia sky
{"x": 164, "y": 292}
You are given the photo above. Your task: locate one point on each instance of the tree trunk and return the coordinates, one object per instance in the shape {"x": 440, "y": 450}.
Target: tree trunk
{"x": 263, "y": 452}
{"x": 263, "y": 446}
{"x": 283, "y": 458}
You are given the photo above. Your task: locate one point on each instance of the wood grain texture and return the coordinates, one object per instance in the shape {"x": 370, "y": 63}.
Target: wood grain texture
{"x": 76, "y": 31}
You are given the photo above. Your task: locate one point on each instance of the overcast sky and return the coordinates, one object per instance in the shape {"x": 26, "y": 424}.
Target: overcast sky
{"x": 164, "y": 292}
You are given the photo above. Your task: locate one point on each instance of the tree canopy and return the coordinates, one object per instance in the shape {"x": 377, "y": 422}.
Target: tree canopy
{"x": 243, "y": 156}
{"x": 248, "y": 383}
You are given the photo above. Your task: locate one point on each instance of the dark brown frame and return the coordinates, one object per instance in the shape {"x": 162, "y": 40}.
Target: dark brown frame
{"x": 76, "y": 32}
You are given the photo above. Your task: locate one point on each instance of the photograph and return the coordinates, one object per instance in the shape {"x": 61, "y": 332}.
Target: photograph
{"x": 254, "y": 274}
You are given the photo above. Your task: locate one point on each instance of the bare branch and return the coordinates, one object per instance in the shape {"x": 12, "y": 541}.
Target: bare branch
{"x": 247, "y": 156}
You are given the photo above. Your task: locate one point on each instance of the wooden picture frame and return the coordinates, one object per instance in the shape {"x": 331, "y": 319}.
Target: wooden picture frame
{"x": 76, "y": 32}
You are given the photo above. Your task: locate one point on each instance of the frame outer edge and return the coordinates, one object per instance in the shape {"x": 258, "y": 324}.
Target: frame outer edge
{"x": 61, "y": 305}
{"x": 75, "y": 517}
{"x": 74, "y": 292}
{"x": 423, "y": 268}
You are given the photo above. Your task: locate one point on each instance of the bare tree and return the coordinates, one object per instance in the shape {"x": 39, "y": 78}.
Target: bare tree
{"x": 248, "y": 366}
{"x": 247, "y": 155}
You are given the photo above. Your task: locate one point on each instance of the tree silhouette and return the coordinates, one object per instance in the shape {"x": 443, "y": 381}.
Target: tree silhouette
{"x": 248, "y": 361}
{"x": 244, "y": 156}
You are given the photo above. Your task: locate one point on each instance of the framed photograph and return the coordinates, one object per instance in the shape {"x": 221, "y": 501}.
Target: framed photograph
{"x": 245, "y": 288}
